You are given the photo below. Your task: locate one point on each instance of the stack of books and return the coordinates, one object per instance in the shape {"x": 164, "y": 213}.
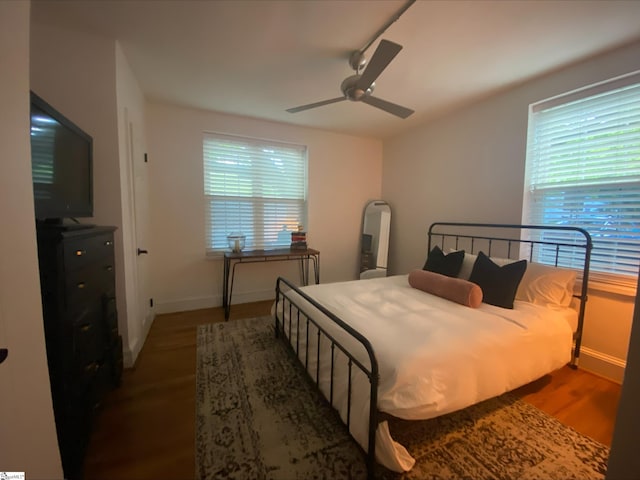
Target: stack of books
{"x": 299, "y": 240}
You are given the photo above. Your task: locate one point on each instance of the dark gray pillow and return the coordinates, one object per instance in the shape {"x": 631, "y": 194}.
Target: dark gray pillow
{"x": 448, "y": 265}
{"x": 499, "y": 284}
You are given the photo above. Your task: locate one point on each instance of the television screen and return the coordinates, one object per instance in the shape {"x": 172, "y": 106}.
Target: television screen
{"x": 61, "y": 162}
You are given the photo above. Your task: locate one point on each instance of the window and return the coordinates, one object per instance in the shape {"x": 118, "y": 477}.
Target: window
{"x": 583, "y": 169}
{"x": 254, "y": 187}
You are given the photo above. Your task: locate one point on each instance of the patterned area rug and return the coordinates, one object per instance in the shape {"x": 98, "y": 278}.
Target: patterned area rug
{"x": 258, "y": 417}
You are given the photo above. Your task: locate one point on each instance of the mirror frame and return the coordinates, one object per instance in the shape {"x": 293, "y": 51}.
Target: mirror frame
{"x": 374, "y": 239}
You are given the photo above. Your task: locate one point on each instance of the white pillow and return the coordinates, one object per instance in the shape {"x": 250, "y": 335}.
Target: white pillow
{"x": 547, "y": 285}
{"x": 540, "y": 285}
{"x": 467, "y": 265}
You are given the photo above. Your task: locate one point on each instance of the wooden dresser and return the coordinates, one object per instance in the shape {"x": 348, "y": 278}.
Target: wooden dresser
{"x": 84, "y": 348}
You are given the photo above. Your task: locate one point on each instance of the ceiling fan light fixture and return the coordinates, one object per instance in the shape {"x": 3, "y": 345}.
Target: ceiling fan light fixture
{"x": 355, "y": 94}
{"x": 352, "y": 91}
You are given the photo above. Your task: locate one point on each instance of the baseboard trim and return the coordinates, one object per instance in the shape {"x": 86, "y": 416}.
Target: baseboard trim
{"x": 130, "y": 354}
{"x": 187, "y": 304}
{"x": 602, "y": 364}
{"x": 198, "y": 303}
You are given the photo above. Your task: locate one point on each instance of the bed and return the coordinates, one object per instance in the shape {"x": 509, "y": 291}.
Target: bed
{"x": 405, "y": 346}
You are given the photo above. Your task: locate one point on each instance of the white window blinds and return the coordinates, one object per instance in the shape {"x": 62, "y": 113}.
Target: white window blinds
{"x": 583, "y": 169}
{"x": 254, "y": 187}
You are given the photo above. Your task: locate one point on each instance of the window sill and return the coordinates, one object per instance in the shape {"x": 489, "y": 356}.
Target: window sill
{"x": 619, "y": 285}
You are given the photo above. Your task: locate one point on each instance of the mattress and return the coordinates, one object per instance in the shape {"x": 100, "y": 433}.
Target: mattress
{"x": 435, "y": 356}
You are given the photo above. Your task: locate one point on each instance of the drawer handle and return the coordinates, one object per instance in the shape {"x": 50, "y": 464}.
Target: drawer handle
{"x": 109, "y": 268}
{"x": 80, "y": 253}
{"x": 108, "y": 243}
{"x": 81, "y": 285}
{"x": 85, "y": 328}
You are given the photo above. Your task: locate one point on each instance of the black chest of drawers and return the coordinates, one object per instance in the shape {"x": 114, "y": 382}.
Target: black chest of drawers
{"x": 84, "y": 348}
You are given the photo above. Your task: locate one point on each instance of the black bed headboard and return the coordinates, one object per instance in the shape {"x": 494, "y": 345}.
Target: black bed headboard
{"x": 561, "y": 245}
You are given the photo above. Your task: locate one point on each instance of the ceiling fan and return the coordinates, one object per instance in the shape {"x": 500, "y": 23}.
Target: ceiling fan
{"x": 359, "y": 87}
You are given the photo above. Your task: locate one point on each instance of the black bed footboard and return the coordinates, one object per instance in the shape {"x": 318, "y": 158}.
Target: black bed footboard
{"x": 288, "y": 312}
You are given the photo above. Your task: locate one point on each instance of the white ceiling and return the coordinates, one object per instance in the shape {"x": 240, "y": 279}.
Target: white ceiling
{"x": 258, "y": 58}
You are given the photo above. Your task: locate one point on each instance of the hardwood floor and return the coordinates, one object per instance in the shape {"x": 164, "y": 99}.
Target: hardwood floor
{"x": 146, "y": 429}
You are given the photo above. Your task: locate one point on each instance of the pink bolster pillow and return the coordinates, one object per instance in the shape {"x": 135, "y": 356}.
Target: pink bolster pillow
{"x": 454, "y": 289}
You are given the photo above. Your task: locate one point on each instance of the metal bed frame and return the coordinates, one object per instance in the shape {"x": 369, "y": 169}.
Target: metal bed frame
{"x": 575, "y": 238}
{"x": 439, "y": 233}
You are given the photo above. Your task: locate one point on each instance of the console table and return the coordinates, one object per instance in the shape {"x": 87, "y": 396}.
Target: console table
{"x": 232, "y": 259}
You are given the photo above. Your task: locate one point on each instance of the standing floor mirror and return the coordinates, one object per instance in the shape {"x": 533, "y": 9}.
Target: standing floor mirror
{"x": 374, "y": 246}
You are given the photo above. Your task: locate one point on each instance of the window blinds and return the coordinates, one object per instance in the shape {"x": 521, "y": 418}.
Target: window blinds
{"x": 583, "y": 169}
{"x": 254, "y": 187}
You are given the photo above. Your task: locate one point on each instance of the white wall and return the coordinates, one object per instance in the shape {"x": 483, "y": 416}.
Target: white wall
{"x": 76, "y": 73}
{"x": 469, "y": 166}
{"x": 28, "y": 440}
{"x": 344, "y": 174}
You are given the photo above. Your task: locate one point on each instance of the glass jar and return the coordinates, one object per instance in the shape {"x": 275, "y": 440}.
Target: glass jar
{"x": 236, "y": 241}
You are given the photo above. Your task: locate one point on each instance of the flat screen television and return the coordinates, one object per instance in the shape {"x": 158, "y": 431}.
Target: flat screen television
{"x": 61, "y": 165}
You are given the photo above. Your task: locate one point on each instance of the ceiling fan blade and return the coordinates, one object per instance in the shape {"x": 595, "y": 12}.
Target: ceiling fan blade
{"x": 389, "y": 107}
{"x": 383, "y": 55}
{"x": 314, "y": 105}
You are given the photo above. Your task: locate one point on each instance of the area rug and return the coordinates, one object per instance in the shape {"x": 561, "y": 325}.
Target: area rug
{"x": 258, "y": 417}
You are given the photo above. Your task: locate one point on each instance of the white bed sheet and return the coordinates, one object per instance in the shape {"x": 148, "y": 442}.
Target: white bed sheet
{"x": 435, "y": 356}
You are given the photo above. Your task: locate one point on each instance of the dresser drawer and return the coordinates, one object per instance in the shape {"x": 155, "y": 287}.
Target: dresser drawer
{"x": 88, "y": 388}
{"x": 83, "y": 251}
{"x": 88, "y": 284}
{"x": 89, "y": 341}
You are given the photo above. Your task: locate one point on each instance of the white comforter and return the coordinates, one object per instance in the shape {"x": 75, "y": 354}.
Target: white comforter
{"x": 435, "y": 356}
